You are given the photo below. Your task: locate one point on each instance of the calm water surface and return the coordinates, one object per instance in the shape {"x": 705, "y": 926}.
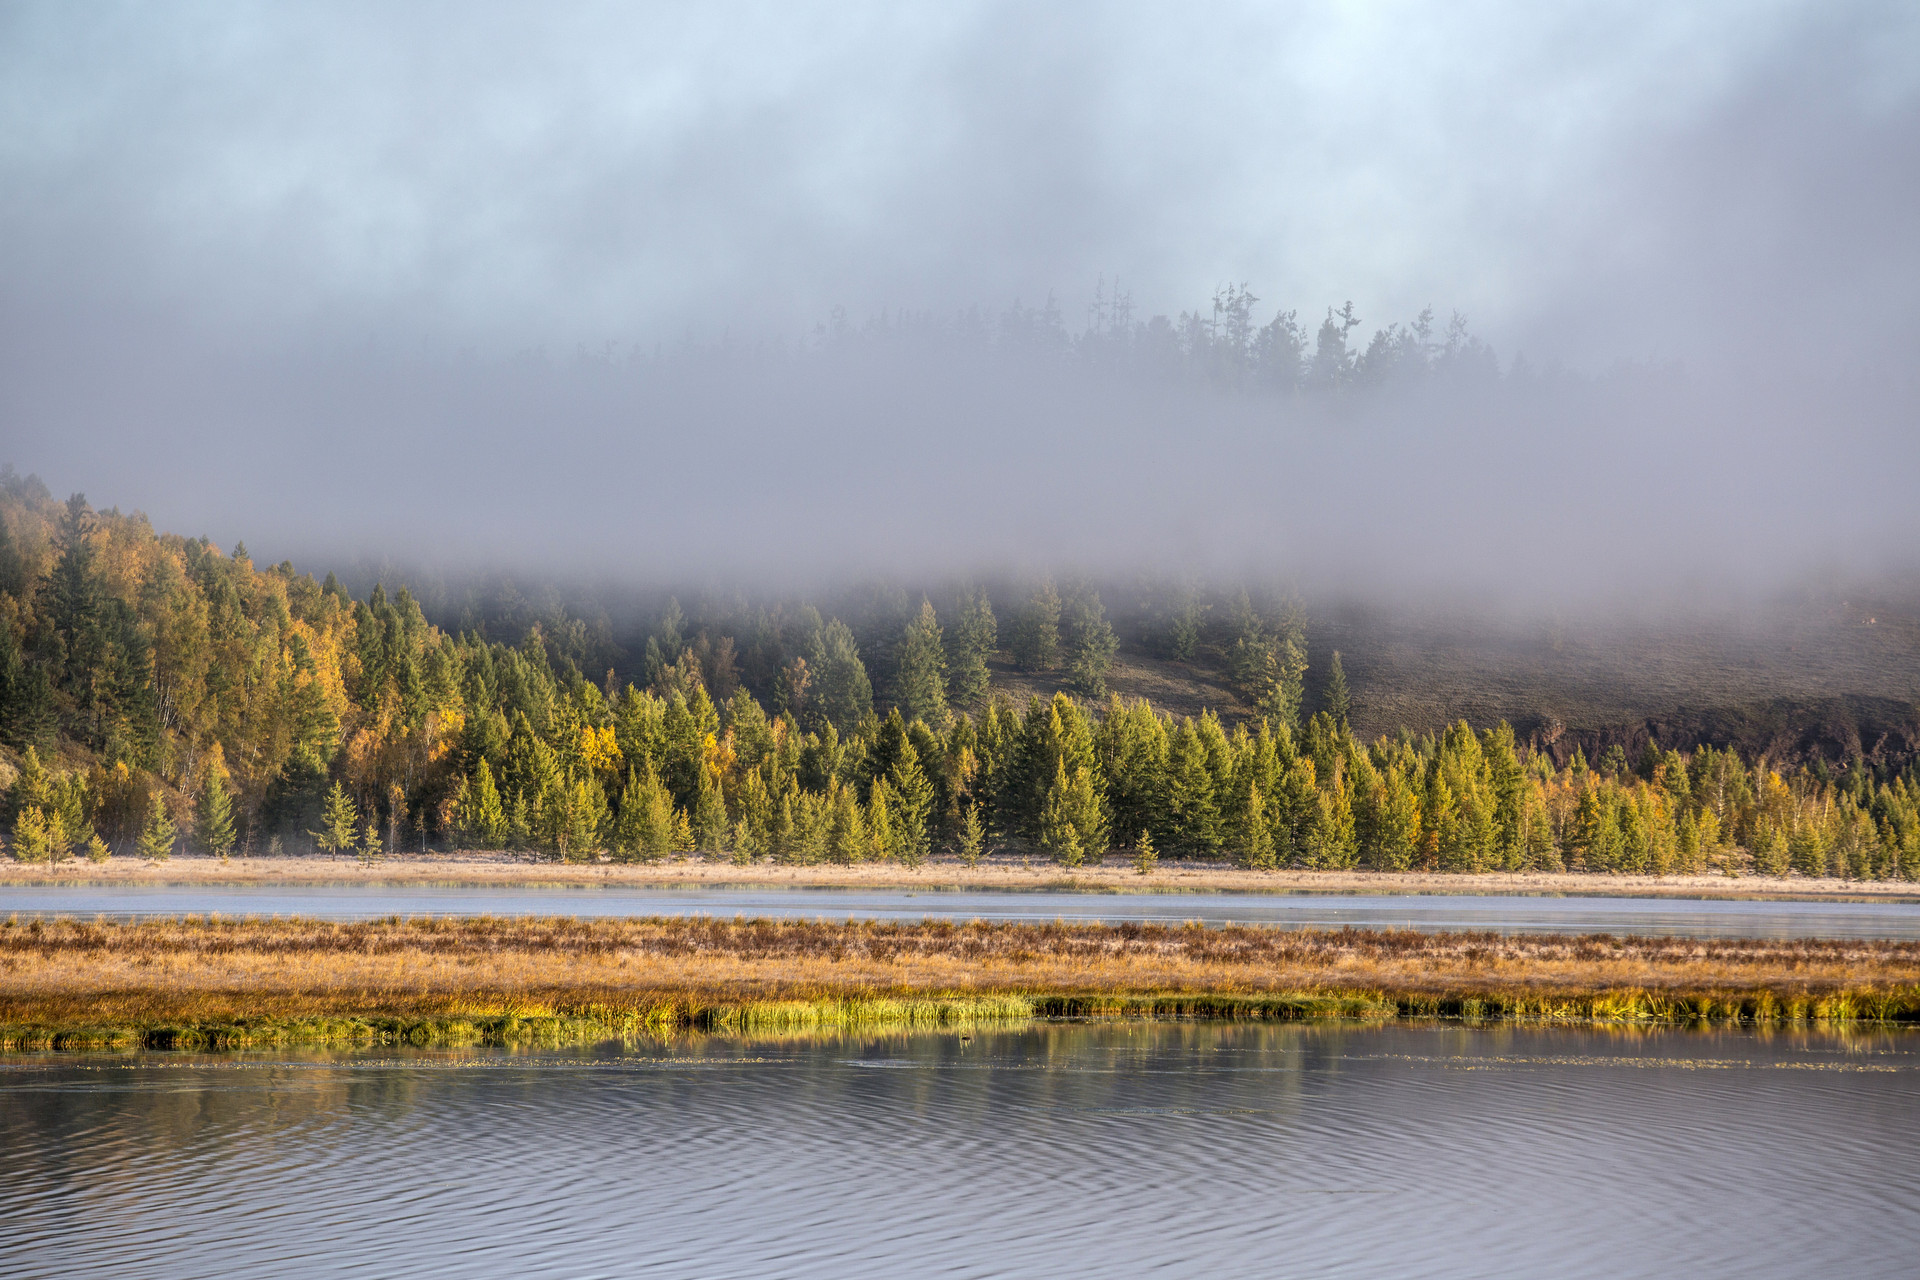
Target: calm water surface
{"x": 1046, "y": 1150}
{"x": 1690, "y": 917}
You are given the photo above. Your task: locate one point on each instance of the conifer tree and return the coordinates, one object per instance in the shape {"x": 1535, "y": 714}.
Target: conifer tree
{"x": 841, "y": 690}
{"x": 920, "y": 685}
{"x": 645, "y": 826}
{"x": 339, "y": 822}
{"x": 213, "y": 814}
{"x": 1145, "y": 857}
{"x": 1257, "y": 839}
{"x": 709, "y": 816}
{"x": 970, "y": 643}
{"x": 882, "y": 839}
{"x": 912, "y": 796}
{"x": 370, "y": 846}
{"x": 485, "y": 817}
{"x": 851, "y": 840}
{"x": 1193, "y": 816}
{"x": 973, "y": 836}
{"x": 1036, "y": 633}
{"x": 156, "y": 838}
{"x": 1339, "y": 702}
{"x": 1089, "y": 642}
{"x": 37, "y": 836}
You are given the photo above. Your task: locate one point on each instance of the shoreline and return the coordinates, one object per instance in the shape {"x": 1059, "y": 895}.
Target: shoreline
{"x": 249, "y": 983}
{"x": 487, "y": 870}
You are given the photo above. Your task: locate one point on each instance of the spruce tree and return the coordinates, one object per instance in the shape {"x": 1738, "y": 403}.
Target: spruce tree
{"x": 370, "y": 847}
{"x": 1036, "y": 633}
{"x": 920, "y": 685}
{"x": 213, "y": 814}
{"x": 1338, "y": 702}
{"x": 156, "y": 838}
{"x": 970, "y": 642}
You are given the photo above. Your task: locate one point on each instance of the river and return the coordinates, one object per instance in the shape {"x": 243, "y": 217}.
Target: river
{"x": 1693, "y": 917}
{"x": 1099, "y": 1149}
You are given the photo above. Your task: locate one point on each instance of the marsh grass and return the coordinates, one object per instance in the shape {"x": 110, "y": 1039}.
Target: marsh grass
{"x": 213, "y": 982}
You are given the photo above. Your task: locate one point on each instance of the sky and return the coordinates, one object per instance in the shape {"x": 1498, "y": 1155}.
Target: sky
{"x": 318, "y": 276}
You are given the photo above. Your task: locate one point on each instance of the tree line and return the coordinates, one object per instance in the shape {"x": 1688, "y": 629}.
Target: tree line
{"x": 156, "y": 693}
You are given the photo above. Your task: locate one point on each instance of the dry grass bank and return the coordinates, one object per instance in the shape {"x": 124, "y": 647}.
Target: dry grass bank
{"x": 207, "y": 973}
{"x": 1003, "y": 873}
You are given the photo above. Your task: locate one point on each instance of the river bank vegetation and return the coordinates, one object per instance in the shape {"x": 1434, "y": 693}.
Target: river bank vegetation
{"x": 157, "y": 693}
{"x": 192, "y": 981}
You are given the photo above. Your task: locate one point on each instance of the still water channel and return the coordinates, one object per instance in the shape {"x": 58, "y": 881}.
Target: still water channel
{"x": 1696, "y": 917}
{"x": 1039, "y": 1150}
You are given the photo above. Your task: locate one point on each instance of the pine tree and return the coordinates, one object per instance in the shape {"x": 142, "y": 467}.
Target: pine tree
{"x": 645, "y": 826}
{"x": 1145, "y": 856}
{"x": 1036, "y": 633}
{"x": 921, "y": 681}
{"x": 840, "y": 689}
{"x": 1257, "y": 838}
{"x": 913, "y": 801}
{"x": 851, "y": 840}
{"x": 339, "y": 822}
{"x": 37, "y": 836}
{"x": 1089, "y": 642}
{"x": 370, "y": 847}
{"x": 969, "y": 644}
{"x": 973, "y": 835}
{"x": 1338, "y": 702}
{"x": 709, "y": 816}
{"x": 882, "y": 840}
{"x": 156, "y": 838}
{"x": 484, "y": 818}
{"x": 213, "y": 814}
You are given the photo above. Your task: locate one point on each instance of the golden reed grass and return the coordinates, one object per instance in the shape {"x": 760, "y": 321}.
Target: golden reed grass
{"x": 196, "y": 980}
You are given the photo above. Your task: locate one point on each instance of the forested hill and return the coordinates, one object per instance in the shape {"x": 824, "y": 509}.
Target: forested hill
{"x": 158, "y": 693}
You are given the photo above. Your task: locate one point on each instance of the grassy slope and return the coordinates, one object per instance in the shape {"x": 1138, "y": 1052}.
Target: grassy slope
{"x": 1813, "y": 677}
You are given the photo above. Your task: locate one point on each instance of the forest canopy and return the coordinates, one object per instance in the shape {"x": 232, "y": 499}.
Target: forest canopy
{"x": 157, "y": 693}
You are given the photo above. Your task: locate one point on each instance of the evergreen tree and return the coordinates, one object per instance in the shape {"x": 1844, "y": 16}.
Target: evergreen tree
{"x": 969, "y": 644}
{"x": 156, "y": 838}
{"x": 913, "y": 799}
{"x": 73, "y": 606}
{"x": 1089, "y": 642}
{"x": 213, "y": 813}
{"x": 841, "y": 691}
{"x": 1256, "y": 842}
{"x": 1145, "y": 857}
{"x": 973, "y": 836}
{"x": 370, "y": 847}
{"x": 1193, "y": 817}
{"x": 1338, "y": 702}
{"x": 483, "y": 819}
{"x": 1036, "y": 633}
{"x": 709, "y": 816}
{"x": 920, "y": 681}
{"x": 37, "y": 836}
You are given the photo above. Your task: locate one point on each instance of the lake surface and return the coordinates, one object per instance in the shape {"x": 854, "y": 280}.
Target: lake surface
{"x": 1039, "y": 1150}
{"x": 1707, "y": 918}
